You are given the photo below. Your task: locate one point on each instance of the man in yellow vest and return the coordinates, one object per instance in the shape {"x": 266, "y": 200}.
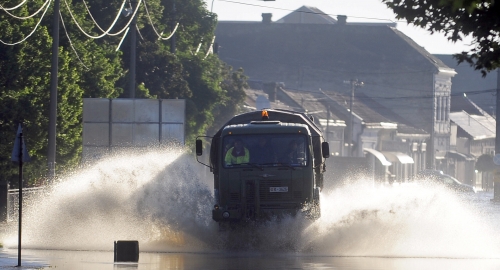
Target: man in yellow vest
{"x": 237, "y": 154}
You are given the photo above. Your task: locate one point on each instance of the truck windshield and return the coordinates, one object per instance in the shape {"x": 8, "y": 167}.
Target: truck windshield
{"x": 264, "y": 150}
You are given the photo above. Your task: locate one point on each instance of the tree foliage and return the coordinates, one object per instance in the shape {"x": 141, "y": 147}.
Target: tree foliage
{"x": 458, "y": 19}
{"x": 24, "y": 97}
{"x": 94, "y": 68}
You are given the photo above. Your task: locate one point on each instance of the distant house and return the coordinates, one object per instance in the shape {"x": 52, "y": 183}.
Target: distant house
{"x": 473, "y": 138}
{"x": 377, "y": 129}
{"x": 308, "y": 50}
{"x": 396, "y": 150}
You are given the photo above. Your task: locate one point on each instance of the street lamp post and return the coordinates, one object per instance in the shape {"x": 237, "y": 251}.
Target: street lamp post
{"x": 133, "y": 52}
{"x": 354, "y": 84}
{"x": 51, "y": 157}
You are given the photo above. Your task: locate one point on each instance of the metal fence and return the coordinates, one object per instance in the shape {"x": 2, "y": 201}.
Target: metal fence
{"x": 10, "y": 206}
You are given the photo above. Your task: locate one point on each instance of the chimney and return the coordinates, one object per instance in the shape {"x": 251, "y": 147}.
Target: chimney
{"x": 341, "y": 19}
{"x": 266, "y": 17}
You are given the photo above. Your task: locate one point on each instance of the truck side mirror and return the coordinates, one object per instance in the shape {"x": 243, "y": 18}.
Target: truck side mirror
{"x": 325, "y": 149}
{"x": 199, "y": 148}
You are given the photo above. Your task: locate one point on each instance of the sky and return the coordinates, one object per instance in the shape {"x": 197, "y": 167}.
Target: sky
{"x": 355, "y": 10}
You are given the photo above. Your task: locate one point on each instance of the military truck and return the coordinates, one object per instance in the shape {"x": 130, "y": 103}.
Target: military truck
{"x": 266, "y": 164}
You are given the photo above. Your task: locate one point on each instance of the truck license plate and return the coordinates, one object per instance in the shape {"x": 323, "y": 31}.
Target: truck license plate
{"x": 278, "y": 189}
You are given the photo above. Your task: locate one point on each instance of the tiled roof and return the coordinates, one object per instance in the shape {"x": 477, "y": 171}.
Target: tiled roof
{"x": 307, "y": 14}
{"x": 404, "y": 127}
{"x": 313, "y": 102}
{"x": 462, "y": 103}
{"x": 267, "y": 50}
{"x": 477, "y": 127}
{"x": 313, "y": 56}
{"x": 251, "y": 97}
{"x": 422, "y": 51}
{"x": 359, "y": 107}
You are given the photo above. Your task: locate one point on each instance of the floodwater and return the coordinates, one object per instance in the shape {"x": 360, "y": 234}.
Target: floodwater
{"x": 163, "y": 199}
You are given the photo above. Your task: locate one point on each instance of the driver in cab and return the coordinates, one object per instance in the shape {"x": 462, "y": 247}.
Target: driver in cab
{"x": 237, "y": 154}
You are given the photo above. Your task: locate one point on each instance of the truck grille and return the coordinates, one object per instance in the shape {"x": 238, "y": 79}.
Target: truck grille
{"x": 234, "y": 196}
{"x": 250, "y": 191}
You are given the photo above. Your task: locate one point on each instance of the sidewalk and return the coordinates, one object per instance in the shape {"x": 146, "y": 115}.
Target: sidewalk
{"x": 9, "y": 260}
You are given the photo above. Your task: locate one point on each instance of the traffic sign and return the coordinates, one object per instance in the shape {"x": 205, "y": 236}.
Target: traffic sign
{"x": 16, "y": 150}
{"x": 496, "y": 159}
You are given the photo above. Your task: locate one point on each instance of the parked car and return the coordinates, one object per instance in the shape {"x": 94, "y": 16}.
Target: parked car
{"x": 437, "y": 176}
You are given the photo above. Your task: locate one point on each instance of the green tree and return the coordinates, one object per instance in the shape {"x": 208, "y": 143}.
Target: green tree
{"x": 161, "y": 72}
{"x": 190, "y": 73}
{"x": 93, "y": 68}
{"x": 233, "y": 85}
{"x": 208, "y": 85}
{"x": 24, "y": 96}
{"x": 97, "y": 60}
{"x": 458, "y": 19}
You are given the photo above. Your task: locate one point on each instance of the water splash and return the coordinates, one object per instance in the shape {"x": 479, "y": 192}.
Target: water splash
{"x": 152, "y": 197}
{"x": 161, "y": 199}
{"x": 402, "y": 221}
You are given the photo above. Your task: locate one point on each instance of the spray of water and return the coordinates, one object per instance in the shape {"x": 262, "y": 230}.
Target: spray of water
{"x": 161, "y": 199}
{"x": 402, "y": 221}
{"x": 154, "y": 197}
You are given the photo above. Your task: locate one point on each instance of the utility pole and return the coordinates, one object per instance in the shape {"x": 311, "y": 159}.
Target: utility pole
{"x": 354, "y": 84}
{"x": 51, "y": 156}
{"x": 496, "y": 184}
{"x": 172, "y": 27}
{"x": 431, "y": 163}
{"x": 328, "y": 123}
{"x": 133, "y": 51}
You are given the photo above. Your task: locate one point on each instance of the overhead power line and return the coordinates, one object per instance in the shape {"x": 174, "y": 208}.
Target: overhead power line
{"x": 302, "y": 11}
{"x": 112, "y": 24}
{"x": 47, "y": 3}
{"x": 92, "y": 17}
{"x": 34, "y": 29}
{"x": 13, "y": 8}
{"x": 154, "y": 29}
{"x": 71, "y": 43}
{"x": 430, "y": 96}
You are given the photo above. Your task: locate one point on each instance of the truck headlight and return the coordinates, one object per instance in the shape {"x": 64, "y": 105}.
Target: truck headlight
{"x": 225, "y": 214}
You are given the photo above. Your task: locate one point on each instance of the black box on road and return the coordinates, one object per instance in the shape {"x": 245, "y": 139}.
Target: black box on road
{"x": 126, "y": 251}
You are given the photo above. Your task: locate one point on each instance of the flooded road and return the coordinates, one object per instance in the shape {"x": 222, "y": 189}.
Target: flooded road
{"x": 163, "y": 201}
{"x": 79, "y": 260}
